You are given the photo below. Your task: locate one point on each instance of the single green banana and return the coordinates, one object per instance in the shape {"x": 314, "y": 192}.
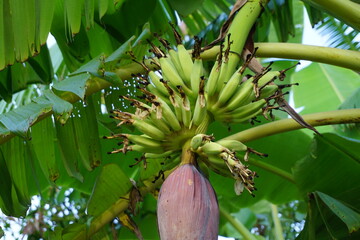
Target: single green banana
{"x": 169, "y": 115}
{"x": 222, "y": 77}
{"x": 211, "y": 84}
{"x": 199, "y": 112}
{"x": 148, "y": 129}
{"x": 196, "y": 73}
{"x": 178, "y": 108}
{"x": 268, "y": 91}
{"x": 140, "y": 148}
{"x": 186, "y": 116}
{"x": 212, "y": 148}
{"x": 159, "y": 155}
{"x": 200, "y": 139}
{"x": 155, "y": 81}
{"x": 268, "y": 77}
{"x": 229, "y": 89}
{"x": 217, "y": 164}
{"x": 170, "y": 74}
{"x": 161, "y": 123}
{"x": 246, "y": 109}
{"x": 242, "y": 92}
{"x": 143, "y": 141}
{"x": 244, "y": 112}
{"x": 233, "y": 145}
{"x": 174, "y": 56}
{"x": 186, "y": 63}
{"x": 243, "y": 119}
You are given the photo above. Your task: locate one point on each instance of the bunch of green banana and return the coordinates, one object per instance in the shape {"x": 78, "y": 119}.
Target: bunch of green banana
{"x": 221, "y": 157}
{"x": 180, "y": 100}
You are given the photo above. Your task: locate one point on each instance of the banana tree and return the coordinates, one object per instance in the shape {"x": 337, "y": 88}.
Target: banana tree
{"x": 212, "y": 92}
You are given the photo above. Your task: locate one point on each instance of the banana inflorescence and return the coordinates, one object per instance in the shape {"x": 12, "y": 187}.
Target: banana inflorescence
{"x": 180, "y": 100}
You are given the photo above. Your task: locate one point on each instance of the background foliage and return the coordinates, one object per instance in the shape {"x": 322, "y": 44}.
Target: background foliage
{"x": 308, "y": 183}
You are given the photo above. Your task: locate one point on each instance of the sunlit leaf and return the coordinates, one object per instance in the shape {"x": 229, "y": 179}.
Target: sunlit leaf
{"x": 75, "y": 84}
{"x": 327, "y": 86}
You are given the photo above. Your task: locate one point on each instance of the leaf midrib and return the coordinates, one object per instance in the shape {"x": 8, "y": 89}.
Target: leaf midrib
{"x": 332, "y": 84}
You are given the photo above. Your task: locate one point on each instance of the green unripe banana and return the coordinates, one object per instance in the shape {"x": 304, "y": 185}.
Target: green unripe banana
{"x": 149, "y": 129}
{"x": 233, "y": 145}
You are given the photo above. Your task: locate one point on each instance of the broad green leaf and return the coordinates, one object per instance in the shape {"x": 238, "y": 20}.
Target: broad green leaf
{"x": 346, "y": 214}
{"x": 327, "y": 86}
{"x": 162, "y": 15}
{"x": 322, "y": 223}
{"x": 331, "y": 158}
{"x": 133, "y": 15}
{"x": 348, "y": 146}
{"x": 16, "y": 160}
{"x": 282, "y": 18}
{"x": 61, "y": 108}
{"x": 75, "y": 84}
{"x": 43, "y": 134}
{"x": 20, "y": 24}
{"x": 98, "y": 34}
{"x": 330, "y": 169}
{"x": 74, "y": 49}
{"x": 120, "y": 52}
{"x": 42, "y": 65}
{"x": 8, "y": 34}
{"x": 6, "y": 185}
{"x": 2, "y": 43}
{"x": 19, "y": 120}
{"x": 185, "y": 7}
{"x": 87, "y": 134}
{"x": 92, "y": 67}
{"x": 73, "y": 10}
{"x": 89, "y": 8}
{"x": 69, "y": 151}
{"x": 44, "y": 16}
{"x": 351, "y": 130}
{"x": 110, "y": 186}
{"x": 103, "y": 7}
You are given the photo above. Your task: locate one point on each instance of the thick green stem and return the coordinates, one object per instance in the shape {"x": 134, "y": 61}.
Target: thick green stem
{"x": 272, "y": 169}
{"x": 237, "y": 225}
{"x": 345, "y": 10}
{"x": 240, "y": 28}
{"x": 278, "y": 232}
{"x": 285, "y": 125}
{"x": 338, "y": 57}
{"x": 187, "y": 156}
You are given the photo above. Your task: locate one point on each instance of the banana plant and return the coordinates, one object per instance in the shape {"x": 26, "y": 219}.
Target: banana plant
{"x": 125, "y": 102}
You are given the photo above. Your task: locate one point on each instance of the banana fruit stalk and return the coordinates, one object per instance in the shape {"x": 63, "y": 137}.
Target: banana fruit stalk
{"x": 180, "y": 100}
